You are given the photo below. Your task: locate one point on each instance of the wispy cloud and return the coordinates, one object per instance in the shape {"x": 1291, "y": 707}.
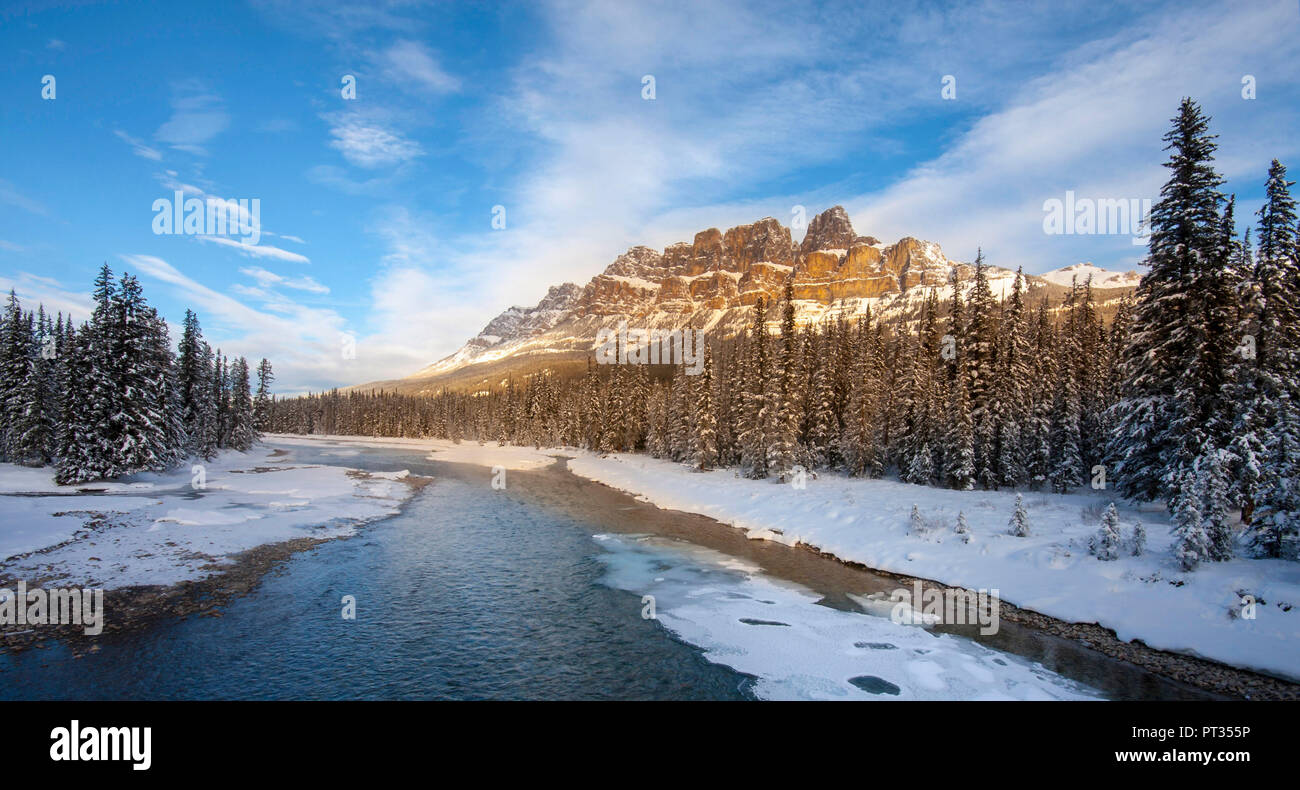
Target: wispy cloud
{"x": 411, "y": 64}
{"x": 10, "y": 195}
{"x": 197, "y": 117}
{"x": 256, "y": 250}
{"x": 267, "y": 279}
{"x": 1075, "y": 128}
{"x": 138, "y": 147}
{"x": 368, "y": 144}
{"x": 33, "y": 290}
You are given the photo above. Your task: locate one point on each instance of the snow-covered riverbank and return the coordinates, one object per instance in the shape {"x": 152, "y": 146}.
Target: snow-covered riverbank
{"x": 160, "y": 529}
{"x": 868, "y": 521}
{"x": 1144, "y": 598}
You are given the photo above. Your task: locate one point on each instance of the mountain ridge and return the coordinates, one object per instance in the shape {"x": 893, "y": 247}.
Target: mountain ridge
{"x": 710, "y": 283}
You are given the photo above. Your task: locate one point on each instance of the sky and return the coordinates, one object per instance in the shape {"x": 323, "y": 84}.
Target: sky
{"x": 490, "y": 150}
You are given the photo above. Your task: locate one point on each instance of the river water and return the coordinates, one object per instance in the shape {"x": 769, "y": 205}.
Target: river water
{"x": 543, "y": 591}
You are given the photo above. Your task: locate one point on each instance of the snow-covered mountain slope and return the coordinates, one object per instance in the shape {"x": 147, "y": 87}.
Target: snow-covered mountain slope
{"x": 711, "y": 284}
{"x": 1101, "y": 278}
{"x": 514, "y": 324}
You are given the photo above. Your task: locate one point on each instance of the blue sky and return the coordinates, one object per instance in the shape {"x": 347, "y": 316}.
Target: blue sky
{"x": 376, "y": 213}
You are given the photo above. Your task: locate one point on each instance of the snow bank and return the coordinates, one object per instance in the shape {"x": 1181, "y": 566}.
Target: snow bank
{"x": 1051, "y": 571}
{"x": 161, "y": 529}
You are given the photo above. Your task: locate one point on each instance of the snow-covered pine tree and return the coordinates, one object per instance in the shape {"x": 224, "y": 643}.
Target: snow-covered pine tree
{"x": 1213, "y": 474}
{"x": 1013, "y": 382}
{"x": 656, "y": 419}
{"x": 705, "y": 423}
{"x": 44, "y": 389}
{"x": 979, "y": 355}
{"x": 1036, "y": 436}
{"x": 194, "y": 381}
{"x": 1067, "y": 465}
{"x": 959, "y": 454}
{"x": 962, "y": 528}
{"x": 959, "y": 432}
{"x": 1138, "y": 542}
{"x": 221, "y": 397}
{"x": 1019, "y": 523}
{"x": 242, "y": 433}
{"x": 857, "y": 443}
{"x": 1275, "y": 528}
{"x": 785, "y": 397}
{"x": 753, "y": 411}
{"x": 166, "y": 389}
{"x": 916, "y": 524}
{"x": 1154, "y": 422}
{"x": 141, "y": 423}
{"x": 105, "y": 382}
{"x": 77, "y": 432}
{"x": 16, "y": 365}
{"x": 920, "y": 471}
{"x": 262, "y": 398}
{"x": 1191, "y": 542}
{"x": 1267, "y": 399}
{"x": 1105, "y": 544}
{"x": 679, "y": 416}
{"x": 822, "y": 429}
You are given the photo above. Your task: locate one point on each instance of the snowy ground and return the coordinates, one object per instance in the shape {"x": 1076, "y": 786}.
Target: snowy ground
{"x": 1051, "y": 572}
{"x": 163, "y": 529}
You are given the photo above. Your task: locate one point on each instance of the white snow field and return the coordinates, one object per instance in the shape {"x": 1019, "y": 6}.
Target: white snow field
{"x": 798, "y": 649}
{"x": 1051, "y": 572}
{"x": 162, "y": 529}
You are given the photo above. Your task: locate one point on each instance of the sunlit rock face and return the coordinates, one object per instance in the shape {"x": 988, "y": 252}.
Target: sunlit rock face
{"x": 712, "y": 281}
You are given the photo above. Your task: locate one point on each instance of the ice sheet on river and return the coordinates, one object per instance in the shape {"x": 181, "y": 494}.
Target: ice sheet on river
{"x": 799, "y": 649}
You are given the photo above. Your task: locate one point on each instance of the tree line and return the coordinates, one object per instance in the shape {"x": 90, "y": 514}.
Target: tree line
{"x": 1189, "y": 394}
{"x": 110, "y": 397}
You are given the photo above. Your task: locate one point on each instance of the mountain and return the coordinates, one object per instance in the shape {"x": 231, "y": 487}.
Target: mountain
{"x": 710, "y": 283}
{"x": 1101, "y": 278}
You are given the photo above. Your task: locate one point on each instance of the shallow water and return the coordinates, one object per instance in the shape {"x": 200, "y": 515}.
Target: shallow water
{"x": 538, "y": 592}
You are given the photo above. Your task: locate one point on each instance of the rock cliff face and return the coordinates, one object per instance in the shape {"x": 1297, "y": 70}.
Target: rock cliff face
{"x": 719, "y": 271}
{"x": 709, "y": 283}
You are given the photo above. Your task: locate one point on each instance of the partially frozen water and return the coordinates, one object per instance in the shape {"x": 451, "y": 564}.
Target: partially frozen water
{"x": 800, "y": 649}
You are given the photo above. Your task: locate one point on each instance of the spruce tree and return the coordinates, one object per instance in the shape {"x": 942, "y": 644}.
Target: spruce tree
{"x": 1019, "y": 523}
{"x": 1156, "y": 421}
{"x": 754, "y": 404}
{"x": 1105, "y": 544}
{"x": 706, "y": 428}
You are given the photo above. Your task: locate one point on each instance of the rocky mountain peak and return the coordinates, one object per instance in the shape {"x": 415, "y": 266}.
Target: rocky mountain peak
{"x": 829, "y": 230}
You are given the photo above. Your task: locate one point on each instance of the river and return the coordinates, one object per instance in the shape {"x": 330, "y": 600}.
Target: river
{"x": 543, "y": 590}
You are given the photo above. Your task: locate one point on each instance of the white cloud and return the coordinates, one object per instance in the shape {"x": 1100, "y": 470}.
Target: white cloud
{"x": 138, "y": 147}
{"x": 1092, "y": 126}
{"x": 410, "y": 63}
{"x": 368, "y": 144}
{"x": 33, "y": 290}
{"x": 256, "y": 250}
{"x": 11, "y": 196}
{"x": 197, "y": 117}
{"x": 268, "y": 279}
